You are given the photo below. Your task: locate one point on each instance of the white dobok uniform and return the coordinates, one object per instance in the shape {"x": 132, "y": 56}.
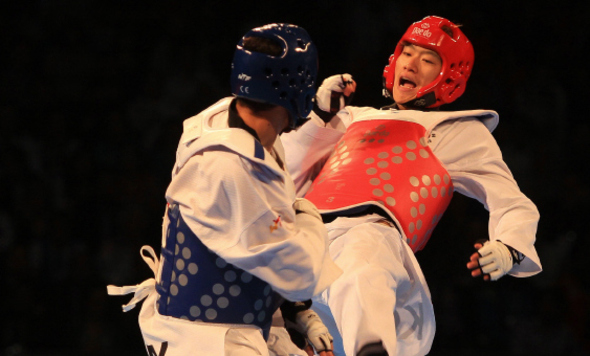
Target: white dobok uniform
{"x": 232, "y": 245}
{"x": 362, "y": 158}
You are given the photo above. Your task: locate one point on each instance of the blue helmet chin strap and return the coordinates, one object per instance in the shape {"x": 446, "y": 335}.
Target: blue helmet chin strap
{"x": 288, "y": 80}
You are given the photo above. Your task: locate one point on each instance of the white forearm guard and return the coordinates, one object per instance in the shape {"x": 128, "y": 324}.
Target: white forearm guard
{"x": 495, "y": 260}
{"x": 309, "y": 324}
{"x": 334, "y": 94}
{"x": 334, "y": 84}
{"x": 304, "y": 206}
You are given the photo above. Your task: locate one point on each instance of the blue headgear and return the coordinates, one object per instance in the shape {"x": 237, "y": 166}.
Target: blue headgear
{"x": 287, "y": 80}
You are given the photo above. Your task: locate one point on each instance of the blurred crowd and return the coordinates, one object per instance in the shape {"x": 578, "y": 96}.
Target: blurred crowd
{"x": 92, "y": 100}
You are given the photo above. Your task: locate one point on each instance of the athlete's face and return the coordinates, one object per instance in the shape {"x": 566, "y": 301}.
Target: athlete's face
{"x": 415, "y": 68}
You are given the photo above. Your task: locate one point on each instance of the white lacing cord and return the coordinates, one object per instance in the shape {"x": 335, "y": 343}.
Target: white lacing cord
{"x": 143, "y": 289}
{"x": 152, "y": 259}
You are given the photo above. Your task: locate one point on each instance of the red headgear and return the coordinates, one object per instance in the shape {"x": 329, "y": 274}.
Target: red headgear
{"x": 457, "y": 57}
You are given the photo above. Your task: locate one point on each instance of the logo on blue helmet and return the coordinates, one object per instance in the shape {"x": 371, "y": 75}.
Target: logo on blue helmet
{"x": 288, "y": 79}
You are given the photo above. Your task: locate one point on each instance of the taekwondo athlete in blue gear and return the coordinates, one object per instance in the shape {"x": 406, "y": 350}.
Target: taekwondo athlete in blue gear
{"x": 236, "y": 242}
{"x": 289, "y": 81}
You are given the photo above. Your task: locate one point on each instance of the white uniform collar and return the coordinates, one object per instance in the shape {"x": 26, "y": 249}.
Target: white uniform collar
{"x": 210, "y": 128}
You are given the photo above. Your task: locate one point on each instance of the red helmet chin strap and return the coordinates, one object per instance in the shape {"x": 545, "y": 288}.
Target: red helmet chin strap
{"x": 457, "y": 57}
{"x": 416, "y": 104}
{"x": 422, "y": 102}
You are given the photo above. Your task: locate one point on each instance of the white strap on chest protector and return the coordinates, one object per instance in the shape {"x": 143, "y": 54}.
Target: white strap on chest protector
{"x": 143, "y": 289}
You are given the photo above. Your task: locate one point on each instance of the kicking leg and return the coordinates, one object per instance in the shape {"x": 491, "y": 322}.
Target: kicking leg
{"x": 363, "y": 299}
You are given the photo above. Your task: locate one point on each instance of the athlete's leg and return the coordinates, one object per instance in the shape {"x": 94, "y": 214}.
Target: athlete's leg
{"x": 363, "y": 299}
{"x": 245, "y": 342}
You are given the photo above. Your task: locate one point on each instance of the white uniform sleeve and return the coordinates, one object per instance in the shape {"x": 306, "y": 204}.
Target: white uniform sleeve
{"x": 474, "y": 160}
{"x": 308, "y": 148}
{"x": 242, "y": 212}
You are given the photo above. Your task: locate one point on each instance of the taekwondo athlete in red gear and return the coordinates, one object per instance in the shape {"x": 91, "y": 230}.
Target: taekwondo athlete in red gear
{"x": 236, "y": 241}
{"x": 382, "y": 179}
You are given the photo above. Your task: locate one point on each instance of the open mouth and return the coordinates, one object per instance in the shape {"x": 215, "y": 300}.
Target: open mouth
{"x": 406, "y": 83}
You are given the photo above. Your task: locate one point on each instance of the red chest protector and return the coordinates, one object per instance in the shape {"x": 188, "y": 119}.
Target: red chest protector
{"x": 388, "y": 163}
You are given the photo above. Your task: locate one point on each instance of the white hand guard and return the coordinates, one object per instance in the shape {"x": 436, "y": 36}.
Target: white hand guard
{"x": 309, "y": 324}
{"x": 304, "y": 206}
{"x": 495, "y": 260}
{"x": 334, "y": 94}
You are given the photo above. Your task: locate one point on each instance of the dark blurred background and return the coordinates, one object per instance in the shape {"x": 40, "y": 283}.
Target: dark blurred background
{"x": 92, "y": 99}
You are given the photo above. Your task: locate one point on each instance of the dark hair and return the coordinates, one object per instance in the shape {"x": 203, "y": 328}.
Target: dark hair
{"x": 262, "y": 45}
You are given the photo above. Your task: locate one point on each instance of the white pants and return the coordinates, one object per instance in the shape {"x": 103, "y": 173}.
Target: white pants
{"x": 382, "y": 294}
{"x": 184, "y": 337}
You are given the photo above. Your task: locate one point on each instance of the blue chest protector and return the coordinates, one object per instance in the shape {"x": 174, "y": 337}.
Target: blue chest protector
{"x": 198, "y": 285}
